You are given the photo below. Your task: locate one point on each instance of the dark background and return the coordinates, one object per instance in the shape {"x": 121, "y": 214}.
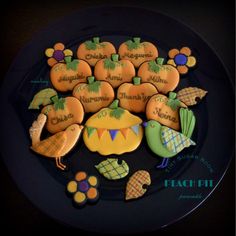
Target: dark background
{"x": 212, "y": 20}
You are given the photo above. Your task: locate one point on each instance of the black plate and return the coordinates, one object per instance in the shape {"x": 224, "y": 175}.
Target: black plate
{"x": 44, "y": 185}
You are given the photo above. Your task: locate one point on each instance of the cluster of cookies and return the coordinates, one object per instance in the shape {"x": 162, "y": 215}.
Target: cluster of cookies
{"x": 113, "y": 86}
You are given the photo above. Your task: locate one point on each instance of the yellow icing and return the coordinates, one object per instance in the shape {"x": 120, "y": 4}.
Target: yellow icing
{"x": 102, "y": 119}
{"x": 171, "y": 62}
{"x": 68, "y": 52}
{"x": 106, "y": 146}
{"x": 191, "y": 61}
{"x": 79, "y": 197}
{"x": 49, "y": 52}
{"x": 92, "y": 180}
{"x": 72, "y": 186}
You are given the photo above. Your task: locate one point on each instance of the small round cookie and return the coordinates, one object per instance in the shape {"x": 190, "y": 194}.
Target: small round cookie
{"x": 94, "y": 50}
{"x": 164, "y": 110}
{"x": 164, "y": 77}
{"x": 63, "y": 113}
{"x": 64, "y": 76}
{"x": 114, "y": 71}
{"x": 134, "y": 97}
{"x": 94, "y": 95}
{"x": 113, "y": 130}
{"x": 137, "y": 52}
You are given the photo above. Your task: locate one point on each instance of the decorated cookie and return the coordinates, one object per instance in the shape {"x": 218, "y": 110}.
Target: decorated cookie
{"x": 57, "y": 145}
{"x": 94, "y": 95}
{"x": 114, "y": 71}
{"x": 57, "y": 54}
{"x": 113, "y": 130}
{"x": 181, "y": 59}
{"x": 134, "y": 97}
{"x": 94, "y": 50}
{"x": 83, "y": 188}
{"x": 135, "y": 185}
{"x": 63, "y": 113}
{"x": 191, "y": 96}
{"x": 137, "y": 52}
{"x": 111, "y": 169}
{"x": 43, "y": 97}
{"x": 164, "y": 77}
{"x": 64, "y": 76}
{"x": 166, "y": 142}
{"x": 164, "y": 110}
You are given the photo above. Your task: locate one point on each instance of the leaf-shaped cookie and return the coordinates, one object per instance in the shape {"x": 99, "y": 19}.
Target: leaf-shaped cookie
{"x": 43, "y": 97}
{"x": 111, "y": 169}
{"x": 190, "y": 96}
{"x": 135, "y": 185}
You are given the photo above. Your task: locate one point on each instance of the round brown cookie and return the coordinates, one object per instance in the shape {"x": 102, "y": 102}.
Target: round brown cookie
{"x": 137, "y": 52}
{"x": 114, "y": 71}
{"x": 94, "y": 95}
{"x": 94, "y": 50}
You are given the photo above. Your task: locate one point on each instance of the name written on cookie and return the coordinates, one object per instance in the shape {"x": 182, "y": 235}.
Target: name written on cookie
{"x": 156, "y": 79}
{"x": 95, "y": 56}
{"x": 93, "y": 99}
{"x": 162, "y": 115}
{"x": 70, "y": 79}
{"x": 113, "y": 77}
{"x": 142, "y": 97}
{"x": 136, "y": 56}
{"x": 58, "y": 119}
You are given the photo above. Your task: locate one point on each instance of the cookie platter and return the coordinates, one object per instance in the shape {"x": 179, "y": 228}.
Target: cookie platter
{"x": 106, "y": 125}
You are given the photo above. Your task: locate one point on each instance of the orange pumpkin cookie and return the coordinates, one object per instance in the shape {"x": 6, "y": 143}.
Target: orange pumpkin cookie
{"x": 114, "y": 71}
{"x": 94, "y": 50}
{"x": 57, "y": 145}
{"x": 164, "y": 77}
{"x": 63, "y": 113}
{"x": 64, "y": 76}
{"x": 134, "y": 97}
{"x": 137, "y": 52}
{"x": 94, "y": 95}
{"x": 164, "y": 110}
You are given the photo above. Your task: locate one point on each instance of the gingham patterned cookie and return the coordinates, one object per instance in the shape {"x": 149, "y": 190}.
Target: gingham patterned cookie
{"x": 174, "y": 141}
{"x": 110, "y": 169}
{"x": 134, "y": 187}
{"x": 190, "y": 96}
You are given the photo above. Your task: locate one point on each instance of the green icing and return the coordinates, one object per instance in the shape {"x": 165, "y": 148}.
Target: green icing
{"x": 136, "y": 80}
{"x": 43, "y": 97}
{"x": 94, "y": 44}
{"x": 71, "y": 64}
{"x": 156, "y": 66}
{"x": 90, "y": 130}
{"x": 116, "y": 111}
{"x": 58, "y": 103}
{"x": 154, "y": 141}
{"x": 115, "y": 57}
{"x": 93, "y": 86}
{"x": 188, "y": 121}
{"x": 133, "y": 44}
{"x": 110, "y": 169}
{"x": 109, "y": 64}
{"x": 172, "y": 102}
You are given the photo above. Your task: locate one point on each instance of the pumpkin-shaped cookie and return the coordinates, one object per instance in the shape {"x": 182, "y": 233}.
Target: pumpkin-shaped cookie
{"x": 94, "y": 95}
{"x": 164, "y": 110}
{"x": 164, "y": 77}
{"x": 94, "y": 50}
{"x": 63, "y": 113}
{"x": 64, "y": 76}
{"x": 113, "y": 130}
{"x": 114, "y": 71}
{"x": 137, "y": 52}
{"x": 134, "y": 97}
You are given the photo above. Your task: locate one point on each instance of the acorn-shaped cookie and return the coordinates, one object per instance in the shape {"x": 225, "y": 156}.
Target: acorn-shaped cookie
{"x": 113, "y": 130}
